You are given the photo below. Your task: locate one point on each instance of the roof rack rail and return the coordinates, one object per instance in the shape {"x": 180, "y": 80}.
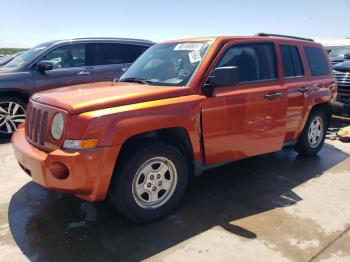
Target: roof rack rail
{"x": 286, "y": 36}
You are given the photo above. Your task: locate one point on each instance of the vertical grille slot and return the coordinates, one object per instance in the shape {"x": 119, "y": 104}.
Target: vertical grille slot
{"x": 31, "y": 124}
{"x": 43, "y": 128}
{"x": 37, "y": 125}
{"x": 27, "y": 121}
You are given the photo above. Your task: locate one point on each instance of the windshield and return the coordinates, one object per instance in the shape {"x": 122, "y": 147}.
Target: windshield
{"x": 170, "y": 64}
{"x": 27, "y": 56}
{"x": 339, "y": 51}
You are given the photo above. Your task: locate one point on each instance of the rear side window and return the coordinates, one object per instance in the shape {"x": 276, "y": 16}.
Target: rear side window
{"x": 113, "y": 53}
{"x": 255, "y": 61}
{"x": 292, "y": 65}
{"x": 132, "y": 52}
{"x": 105, "y": 54}
{"x": 317, "y": 62}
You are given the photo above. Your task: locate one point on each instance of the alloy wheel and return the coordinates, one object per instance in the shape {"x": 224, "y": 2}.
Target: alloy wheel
{"x": 11, "y": 115}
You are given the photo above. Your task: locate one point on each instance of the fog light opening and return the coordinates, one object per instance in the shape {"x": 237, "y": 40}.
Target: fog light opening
{"x": 59, "y": 170}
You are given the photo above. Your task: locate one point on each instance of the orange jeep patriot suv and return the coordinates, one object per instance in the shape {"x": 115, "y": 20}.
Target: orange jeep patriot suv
{"x": 182, "y": 107}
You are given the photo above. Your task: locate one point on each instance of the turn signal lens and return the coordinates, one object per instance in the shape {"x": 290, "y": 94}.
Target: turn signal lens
{"x": 80, "y": 144}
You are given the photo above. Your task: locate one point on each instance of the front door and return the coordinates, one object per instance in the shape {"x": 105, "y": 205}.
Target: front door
{"x": 249, "y": 118}
{"x": 68, "y": 68}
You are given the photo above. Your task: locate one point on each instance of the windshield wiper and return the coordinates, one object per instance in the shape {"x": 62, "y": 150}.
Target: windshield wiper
{"x": 136, "y": 80}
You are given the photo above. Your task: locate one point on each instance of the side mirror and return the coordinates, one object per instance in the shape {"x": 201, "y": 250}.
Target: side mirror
{"x": 44, "y": 65}
{"x": 347, "y": 56}
{"x": 221, "y": 76}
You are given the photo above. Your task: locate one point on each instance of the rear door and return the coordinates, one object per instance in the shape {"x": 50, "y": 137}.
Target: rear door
{"x": 297, "y": 85}
{"x": 110, "y": 60}
{"x": 69, "y": 68}
{"x": 249, "y": 118}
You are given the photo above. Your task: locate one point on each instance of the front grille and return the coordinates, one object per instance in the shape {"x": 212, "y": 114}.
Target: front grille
{"x": 343, "y": 80}
{"x": 36, "y": 121}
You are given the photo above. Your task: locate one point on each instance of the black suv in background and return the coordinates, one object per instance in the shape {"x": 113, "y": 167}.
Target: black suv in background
{"x": 61, "y": 63}
{"x": 342, "y": 74}
{"x": 339, "y": 54}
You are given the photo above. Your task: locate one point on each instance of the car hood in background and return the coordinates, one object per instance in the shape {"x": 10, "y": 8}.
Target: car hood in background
{"x": 343, "y": 66}
{"x": 88, "y": 97}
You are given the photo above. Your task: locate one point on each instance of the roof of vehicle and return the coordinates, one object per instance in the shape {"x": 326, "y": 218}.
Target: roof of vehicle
{"x": 104, "y": 39}
{"x": 256, "y": 37}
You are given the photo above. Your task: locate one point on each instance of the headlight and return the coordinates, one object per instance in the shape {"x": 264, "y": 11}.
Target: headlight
{"x": 57, "y": 126}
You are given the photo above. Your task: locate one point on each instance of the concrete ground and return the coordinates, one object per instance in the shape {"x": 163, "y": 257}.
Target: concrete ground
{"x": 275, "y": 207}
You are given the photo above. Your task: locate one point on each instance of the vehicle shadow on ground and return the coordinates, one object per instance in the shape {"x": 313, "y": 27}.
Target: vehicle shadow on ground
{"x": 41, "y": 220}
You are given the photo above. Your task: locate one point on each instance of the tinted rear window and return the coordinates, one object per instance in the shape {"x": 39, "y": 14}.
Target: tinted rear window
{"x": 113, "y": 53}
{"x": 292, "y": 65}
{"x": 317, "y": 62}
{"x": 298, "y": 65}
{"x": 132, "y": 52}
{"x": 288, "y": 67}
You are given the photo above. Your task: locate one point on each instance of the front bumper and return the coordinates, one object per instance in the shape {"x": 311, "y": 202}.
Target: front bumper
{"x": 87, "y": 172}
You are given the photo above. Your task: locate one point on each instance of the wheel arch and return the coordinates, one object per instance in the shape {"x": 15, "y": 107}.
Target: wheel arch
{"x": 24, "y": 96}
{"x": 176, "y": 136}
{"x": 324, "y": 106}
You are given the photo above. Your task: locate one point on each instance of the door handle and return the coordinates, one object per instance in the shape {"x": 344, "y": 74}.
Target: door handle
{"x": 82, "y": 73}
{"x": 304, "y": 89}
{"x": 271, "y": 96}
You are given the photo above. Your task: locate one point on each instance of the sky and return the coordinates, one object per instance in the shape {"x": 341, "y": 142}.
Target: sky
{"x": 29, "y": 22}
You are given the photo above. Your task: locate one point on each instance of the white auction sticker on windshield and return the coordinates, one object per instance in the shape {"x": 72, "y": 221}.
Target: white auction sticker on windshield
{"x": 188, "y": 46}
{"x": 195, "y": 56}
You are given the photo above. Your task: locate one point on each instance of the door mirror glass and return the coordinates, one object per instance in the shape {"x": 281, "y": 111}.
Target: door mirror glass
{"x": 347, "y": 56}
{"x": 44, "y": 65}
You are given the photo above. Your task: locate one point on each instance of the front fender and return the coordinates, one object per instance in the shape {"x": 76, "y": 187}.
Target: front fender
{"x": 17, "y": 81}
{"x": 113, "y": 126}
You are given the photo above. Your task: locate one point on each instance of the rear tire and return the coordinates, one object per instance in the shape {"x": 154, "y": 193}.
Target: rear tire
{"x": 313, "y": 135}
{"x": 12, "y": 113}
{"x": 149, "y": 182}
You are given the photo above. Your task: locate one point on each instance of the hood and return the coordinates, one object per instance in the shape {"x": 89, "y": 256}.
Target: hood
{"x": 88, "y": 97}
{"x": 343, "y": 66}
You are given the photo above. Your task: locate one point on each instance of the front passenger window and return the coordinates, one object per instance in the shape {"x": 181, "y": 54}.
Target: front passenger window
{"x": 255, "y": 61}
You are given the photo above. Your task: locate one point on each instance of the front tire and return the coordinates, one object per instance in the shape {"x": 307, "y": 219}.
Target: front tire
{"x": 313, "y": 135}
{"x": 149, "y": 182}
{"x": 12, "y": 113}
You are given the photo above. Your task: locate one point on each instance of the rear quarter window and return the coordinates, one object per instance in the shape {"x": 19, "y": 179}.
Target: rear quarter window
{"x": 316, "y": 60}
